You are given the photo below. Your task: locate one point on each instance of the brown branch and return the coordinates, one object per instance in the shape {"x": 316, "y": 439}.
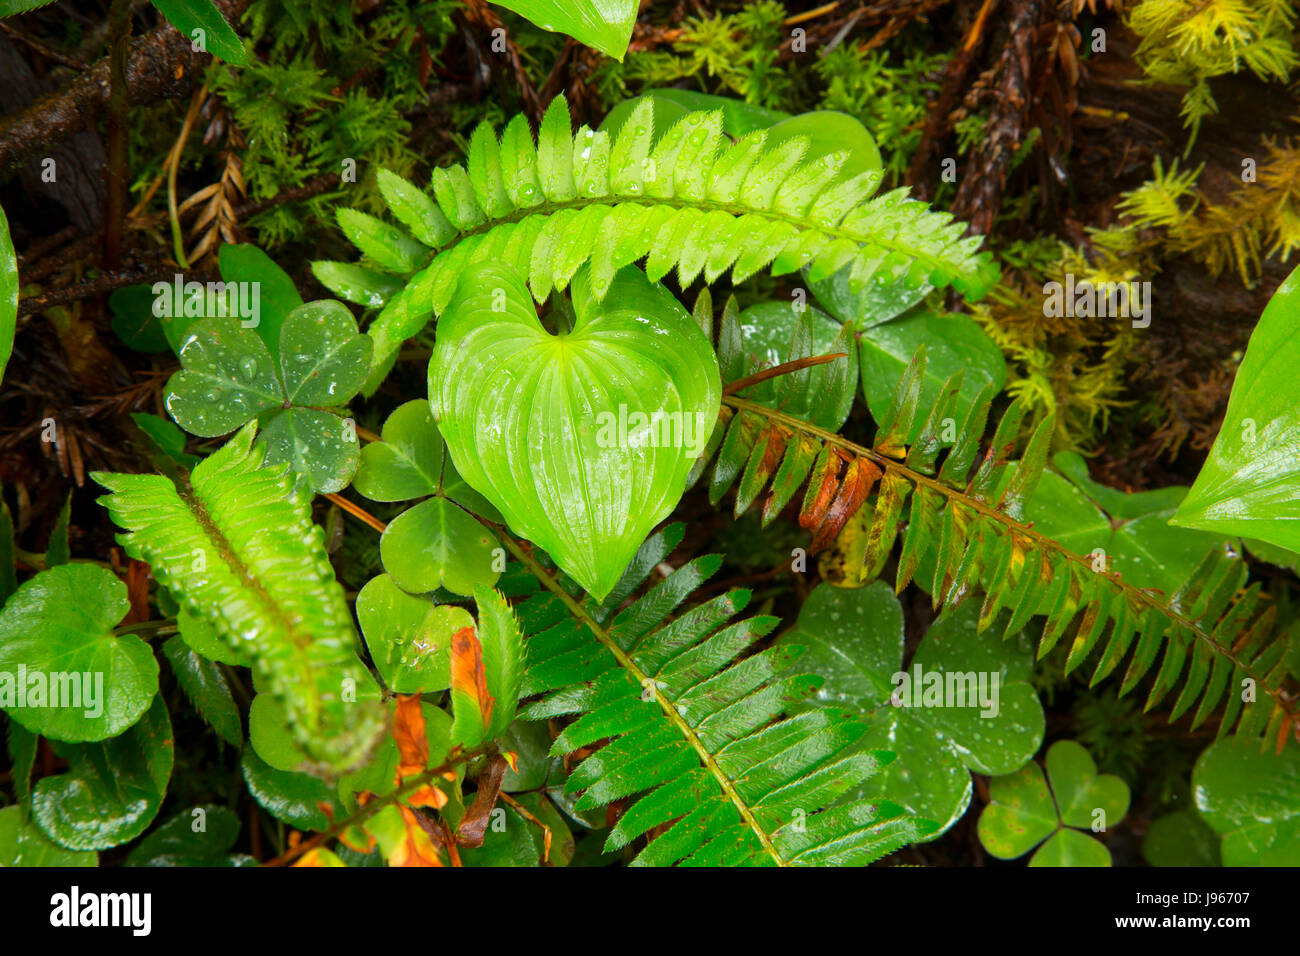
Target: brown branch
{"x": 784, "y": 368}
{"x": 160, "y": 64}
{"x": 954, "y": 77}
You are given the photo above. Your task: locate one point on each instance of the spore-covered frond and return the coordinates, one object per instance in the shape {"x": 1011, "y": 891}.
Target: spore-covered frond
{"x": 236, "y": 544}
{"x": 694, "y": 726}
{"x": 693, "y": 201}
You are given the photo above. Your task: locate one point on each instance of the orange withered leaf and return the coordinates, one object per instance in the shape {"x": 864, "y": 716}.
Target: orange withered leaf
{"x": 859, "y": 478}
{"x": 416, "y": 848}
{"x": 468, "y": 678}
{"x": 413, "y": 750}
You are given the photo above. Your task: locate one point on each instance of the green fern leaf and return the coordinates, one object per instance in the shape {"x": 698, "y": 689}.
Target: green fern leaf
{"x": 696, "y": 728}
{"x": 237, "y": 544}
{"x": 694, "y": 202}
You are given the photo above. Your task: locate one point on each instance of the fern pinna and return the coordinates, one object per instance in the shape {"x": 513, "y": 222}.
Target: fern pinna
{"x": 963, "y": 528}
{"x": 723, "y": 776}
{"x": 693, "y": 200}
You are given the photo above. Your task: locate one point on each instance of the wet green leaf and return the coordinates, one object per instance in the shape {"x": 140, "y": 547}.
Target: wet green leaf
{"x": 1251, "y": 797}
{"x": 854, "y": 639}
{"x": 437, "y": 544}
{"x": 586, "y": 473}
{"x": 669, "y": 105}
{"x": 276, "y": 294}
{"x": 313, "y": 443}
{"x": 605, "y": 25}
{"x": 323, "y": 358}
{"x": 23, "y": 844}
{"x": 111, "y": 791}
{"x": 379, "y": 775}
{"x": 293, "y": 798}
{"x": 133, "y": 319}
{"x": 767, "y": 331}
{"x": 952, "y": 342}
{"x": 56, "y": 636}
{"x": 199, "y": 836}
{"x": 409, "y": 636}
{"x": 8, "y": 293}
{"x": 217, "y": 37}
{"x": 1181, "y": 838}
{"x": 228, "y": 377}
{"x": 1250, "y": 482}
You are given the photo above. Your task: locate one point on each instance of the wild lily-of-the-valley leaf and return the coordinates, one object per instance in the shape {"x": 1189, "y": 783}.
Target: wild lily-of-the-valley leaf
{"x": 1250, "y": 482}
{"x": 1252, "y": 800}
{"x": 230, "y": 377}
{"x": 237, "y": 544}
{"x": 581, "y": 439}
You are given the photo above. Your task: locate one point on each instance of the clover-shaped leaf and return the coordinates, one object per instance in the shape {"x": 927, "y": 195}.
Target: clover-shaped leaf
{"x": 411, "y": 461}
{"x": 1251, "y": 797}
{"x": 229, "y": 377}
{"x": 1023, "y": 811}
{"x": 963, "y": 704}
{"x": 63, "y": 672}
{"x": 435, "y": 543}
{"x": 408, "y": 635}
{"x": 583, "y": 439}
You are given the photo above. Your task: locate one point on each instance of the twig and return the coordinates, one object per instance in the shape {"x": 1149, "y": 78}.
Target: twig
{"x": 783, "y": 369}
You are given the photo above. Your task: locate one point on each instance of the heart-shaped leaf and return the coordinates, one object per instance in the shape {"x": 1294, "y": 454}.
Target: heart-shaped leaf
{"x": 409, "y": 636}
{"x": 1250, "y": 483}
{"x": 323, "y": 358}
{"x": 1023, "y": 811}
{"x": 57, "y": 640}
{"x": 854, "y": 639}
{"x": 227, "y": 378}
{"x": 583, "y": 439}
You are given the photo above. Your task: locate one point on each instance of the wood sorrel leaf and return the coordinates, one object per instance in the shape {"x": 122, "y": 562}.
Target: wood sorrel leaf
{"x": 583, "y": 440}
{"x": 1250, "y": 483}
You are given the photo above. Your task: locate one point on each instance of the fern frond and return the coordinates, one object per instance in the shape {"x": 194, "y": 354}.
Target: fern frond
{"x": 696, "y": 727}
{"x": 694, "y": 201}
{"x": 237, "y": 545}
{"x": 1217, "y": 644}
